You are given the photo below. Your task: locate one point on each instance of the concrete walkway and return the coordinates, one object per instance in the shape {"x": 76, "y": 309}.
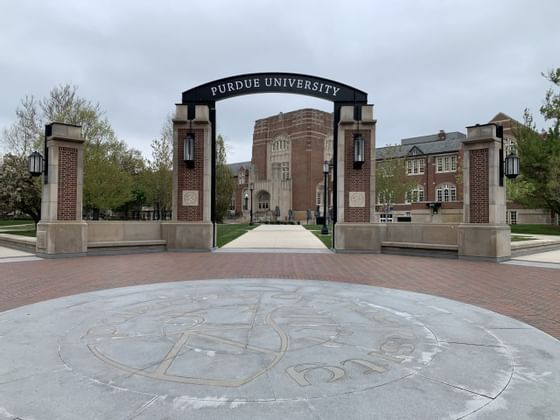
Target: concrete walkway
{"x": 277, "y": 237}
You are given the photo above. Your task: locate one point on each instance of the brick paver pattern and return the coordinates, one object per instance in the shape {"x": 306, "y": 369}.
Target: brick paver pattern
{"x": 525, "y": 293}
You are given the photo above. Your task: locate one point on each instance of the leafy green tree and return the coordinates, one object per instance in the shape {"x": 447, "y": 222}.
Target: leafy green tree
{"x": 18, "y": 190}
{"x": 224, "y": 180}
{"x": 157, "y": 178}
{"x": 108, "y": 162}
{"x": 540, "y": 154}
{"x": 391, "y": 181}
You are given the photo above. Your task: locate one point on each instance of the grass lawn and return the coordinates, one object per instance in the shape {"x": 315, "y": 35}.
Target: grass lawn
{"x": 536, "y": 229}
{"x": 229, "y": 232}
{"x": 316, "y": 229}
{"x": 9, "y": 222}
{"x": 31, "y": 233}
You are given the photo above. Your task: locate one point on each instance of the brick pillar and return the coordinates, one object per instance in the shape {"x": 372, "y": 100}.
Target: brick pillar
{"x": 191, "y": 226}
{"x": 61, "y": 229}
{"x": 484, "y": 233}
{"x": 356, "y": 186}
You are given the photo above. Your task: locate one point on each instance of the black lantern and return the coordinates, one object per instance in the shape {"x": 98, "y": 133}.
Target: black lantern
{"x": 359, "y": 150}
{"x": 251, "y": 188}
{"x": 188, "y": 150}
{"x": 35, "y": 163}
{"x": 511, "y": 166}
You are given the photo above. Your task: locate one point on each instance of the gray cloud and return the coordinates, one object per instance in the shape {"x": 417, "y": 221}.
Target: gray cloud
{"x": 426, "y": 65}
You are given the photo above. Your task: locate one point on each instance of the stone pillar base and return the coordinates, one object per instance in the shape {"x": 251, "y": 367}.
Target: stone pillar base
{"x": 486, "y": 242}
{"x": 187, "y": 236}
{"x": 60, "y": 238}
{"x": 359, "y": 237}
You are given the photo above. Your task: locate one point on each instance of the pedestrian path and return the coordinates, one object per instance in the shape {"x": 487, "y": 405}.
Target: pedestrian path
{"x": 8, "y": 255}
{"x": 277, "y": 237}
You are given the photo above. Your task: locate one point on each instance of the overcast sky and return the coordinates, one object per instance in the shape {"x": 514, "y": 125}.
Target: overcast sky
{"x": 426, "y": 65}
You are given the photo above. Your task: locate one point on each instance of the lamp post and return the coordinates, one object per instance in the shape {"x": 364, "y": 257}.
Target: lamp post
{"x": 251, "y": 188}
{"x": 325, "y": 229}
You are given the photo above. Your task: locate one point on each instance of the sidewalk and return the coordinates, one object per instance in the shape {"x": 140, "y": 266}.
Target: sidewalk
{"x": 277, "y": 237}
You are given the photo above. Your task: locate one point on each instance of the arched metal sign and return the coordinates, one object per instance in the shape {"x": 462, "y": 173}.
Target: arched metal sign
{"x": 248, "y": 84}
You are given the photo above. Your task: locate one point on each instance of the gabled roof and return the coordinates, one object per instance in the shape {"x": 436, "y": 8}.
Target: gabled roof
{"x": 235, "y": 167}
{"x": 426, "y": 145}
{"x": 415, "y": 151}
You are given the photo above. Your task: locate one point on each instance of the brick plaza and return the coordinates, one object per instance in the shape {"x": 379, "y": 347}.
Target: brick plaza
{"x": 528, "y": 294}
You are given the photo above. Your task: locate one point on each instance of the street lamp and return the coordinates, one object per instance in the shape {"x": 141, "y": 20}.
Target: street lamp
{"x": 325, "y": 229}
{"x": 35, "y": 163}
{"x": 251, "y": 188}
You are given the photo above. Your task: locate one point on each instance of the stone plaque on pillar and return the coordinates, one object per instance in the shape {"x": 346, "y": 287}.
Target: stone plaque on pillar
{"x": 190, "y": 198}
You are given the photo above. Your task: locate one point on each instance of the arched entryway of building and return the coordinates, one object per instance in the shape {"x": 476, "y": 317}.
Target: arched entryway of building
{"x": 195, "y": 148}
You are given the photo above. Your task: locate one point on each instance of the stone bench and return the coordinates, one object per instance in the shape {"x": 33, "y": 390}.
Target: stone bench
{"x": 417, "y": 248}
{"x": 126, "y": 247}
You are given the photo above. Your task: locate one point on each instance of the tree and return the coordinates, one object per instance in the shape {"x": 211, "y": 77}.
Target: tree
{"x": 18, "y": 190}
{"x": 156, "y": 180}
{"x": 106, "y": 175}
{"x": 224, "y": 181}
{"x": 391, "y": 181}
{"x": 539, "y": 153}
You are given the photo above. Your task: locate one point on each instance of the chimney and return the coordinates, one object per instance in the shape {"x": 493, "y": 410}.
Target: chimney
{"x": 442, "y": 135}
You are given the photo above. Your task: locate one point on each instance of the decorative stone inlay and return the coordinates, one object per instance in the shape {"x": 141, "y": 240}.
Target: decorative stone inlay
{"x": 190, "y": 198}
{"x": 232, "y": 337}
{"x": 357, "y": 199}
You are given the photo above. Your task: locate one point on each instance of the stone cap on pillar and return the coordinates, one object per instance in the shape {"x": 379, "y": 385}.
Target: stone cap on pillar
{"x": 201, "y": 114}
{"x": 347, "y": 114}
{"x": 481, "y": 133}
{"x": 66, "y": 132}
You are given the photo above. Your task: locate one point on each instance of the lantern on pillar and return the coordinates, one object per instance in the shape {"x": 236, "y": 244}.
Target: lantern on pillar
{"x": 511, "y": 166}
{"x": 35, "y": 164}
{"x": 359, "y": 150}
{"x": 188, "y": 150}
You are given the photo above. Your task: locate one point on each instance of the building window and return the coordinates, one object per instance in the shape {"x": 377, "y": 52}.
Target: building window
{"x": 241, "y": 177}
{"x": 328, "y": 148}
{"x": 385, "y": 218}
{"x": 280, "y": 145}
{"x": 446, "y": 163}
{"x": 245, "y": 200}
{"x": 319, "y": 193}
{"x": 512, "y": 217}
{"x": 446, "y": 192}
{"x": 285, "y": 171}
{"x": 263, "y": 199}
{"x": 415, "y": 166}
{"x": 415, "y": 195}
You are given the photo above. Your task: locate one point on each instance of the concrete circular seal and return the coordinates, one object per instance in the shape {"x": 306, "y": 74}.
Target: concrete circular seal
{"x": 270, "y": 349}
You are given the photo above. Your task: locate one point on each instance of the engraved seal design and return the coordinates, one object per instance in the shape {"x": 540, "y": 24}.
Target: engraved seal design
{"x": 275, "y": 338}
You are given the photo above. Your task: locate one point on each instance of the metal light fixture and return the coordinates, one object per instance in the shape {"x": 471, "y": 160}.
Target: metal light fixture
{"x": 359, "y": 147}
{"x": 35, "y": 163}
{"x": 511, "y": 165}
{"x": 188, "y": 150}
{"x": 325, "y": 229}
{"x": 251, "y": 188}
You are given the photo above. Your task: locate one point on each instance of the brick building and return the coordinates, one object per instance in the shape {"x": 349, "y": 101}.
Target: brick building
{"x": 286, "y": 167}
{"x": 286, "y": 172}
